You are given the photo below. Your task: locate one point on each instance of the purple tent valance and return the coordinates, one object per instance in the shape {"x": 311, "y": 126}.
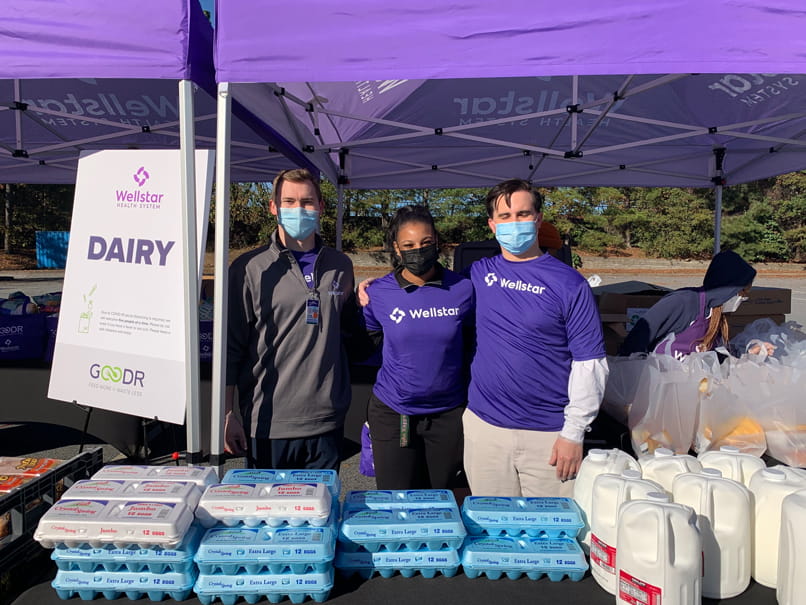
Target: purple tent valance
{"x": 85, "y": 39}
{"x": 323, "y": 40}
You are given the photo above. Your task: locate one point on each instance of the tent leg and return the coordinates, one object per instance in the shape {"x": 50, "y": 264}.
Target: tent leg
{"x": 191, "y": 269}
{"x": 339, "y": 215}
{"x": 220, "y": 286}
{"x": 718, "y": 220}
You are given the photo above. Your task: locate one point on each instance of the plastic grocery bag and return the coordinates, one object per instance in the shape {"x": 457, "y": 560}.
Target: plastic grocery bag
{"x": 664, "y": 413}
{"x": 726, "y": 418}
{"x": 789, "y": 340}
{"x": 777, "y": 391}
{"x": 624, "y": 385}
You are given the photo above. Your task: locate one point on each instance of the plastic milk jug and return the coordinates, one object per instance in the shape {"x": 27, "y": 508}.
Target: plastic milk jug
{"x": 723, "y": 508}
{"x": 596, "y": 463}
{"x": 792, "y": 552}
{"x": 659, "y": 559}
{"x": 733, "y": 463}
{"x": 769, "y": 486}
{"x": 664, "y": 465}
{"x": 610, "y": 491}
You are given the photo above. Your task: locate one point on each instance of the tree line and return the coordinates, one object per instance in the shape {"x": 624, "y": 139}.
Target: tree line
{"x": 763, "y": 221}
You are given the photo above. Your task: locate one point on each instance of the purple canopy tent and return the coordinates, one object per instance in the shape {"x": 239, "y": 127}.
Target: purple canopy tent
{"x": 382, "y": 94}
{"x": 81, "y": 75}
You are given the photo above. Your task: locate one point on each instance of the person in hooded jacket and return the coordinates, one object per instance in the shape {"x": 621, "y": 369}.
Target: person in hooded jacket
{"x": 424, "y": 315}
{"x": 692, "y": 320}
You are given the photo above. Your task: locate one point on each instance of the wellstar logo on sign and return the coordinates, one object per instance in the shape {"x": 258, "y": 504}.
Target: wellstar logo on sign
{"x": 518, "y": 286}
{"x": 141, "y": 176}
{"x": 137, "y": 198}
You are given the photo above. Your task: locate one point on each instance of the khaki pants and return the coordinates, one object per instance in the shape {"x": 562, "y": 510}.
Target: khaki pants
{"x": 510, "y": 462}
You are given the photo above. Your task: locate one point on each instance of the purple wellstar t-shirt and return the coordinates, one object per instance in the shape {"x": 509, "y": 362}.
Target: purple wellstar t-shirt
{"x": 423, "y": 342}
{"x": 306, "y": 261}
{"x": 533, "y": 318}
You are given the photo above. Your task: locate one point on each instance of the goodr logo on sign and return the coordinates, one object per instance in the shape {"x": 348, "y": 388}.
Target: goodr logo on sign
{"x": 115, "y": 374}
{"x": 519, "y": 285}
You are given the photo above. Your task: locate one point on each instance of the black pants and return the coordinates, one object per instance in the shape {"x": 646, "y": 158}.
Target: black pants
{"x": 317, "y": 452}
{"x": 433, "y": 457}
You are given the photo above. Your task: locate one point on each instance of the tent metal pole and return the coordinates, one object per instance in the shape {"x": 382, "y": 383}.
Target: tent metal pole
{"x": 190, "y": 257}
{"x": 719, "y": 182}
{"x": 221, "y": 284}
{"x": 339, "y": 215}
{"x": 718, "y": 219}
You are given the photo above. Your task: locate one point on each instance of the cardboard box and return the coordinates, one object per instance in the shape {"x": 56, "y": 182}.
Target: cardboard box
{"x": 615, "y": 299}
{"x": 766, "y": 302}
{"x": 620, "y": 305}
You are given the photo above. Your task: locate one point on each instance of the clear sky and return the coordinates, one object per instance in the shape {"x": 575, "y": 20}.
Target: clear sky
{"x": 209, "y": 5}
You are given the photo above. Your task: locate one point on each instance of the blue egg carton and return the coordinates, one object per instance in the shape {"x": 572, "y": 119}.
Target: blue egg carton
{"x": 520, "y": 516}
{"x": 110, "y": 558}
{"x": 407, "y": 529}
{"x": 427, "y": 563}
{"x": 113, "y": 584}
{"x": 259, "y": 475}
{"x": 253, "y": 587}
{"x": 399, "y": 499}
{"x": 274, "y": 550}
{"x": 514, "y": 557}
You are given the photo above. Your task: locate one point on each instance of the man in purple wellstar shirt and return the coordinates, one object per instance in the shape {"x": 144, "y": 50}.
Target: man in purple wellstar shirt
{"x": 540, "y": 370}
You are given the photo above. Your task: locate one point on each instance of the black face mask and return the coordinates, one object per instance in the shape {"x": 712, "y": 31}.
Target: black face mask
{"x": 420, "y": 260}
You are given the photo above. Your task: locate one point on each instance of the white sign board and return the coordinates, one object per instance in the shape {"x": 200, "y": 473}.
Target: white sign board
{"x": 121, "y": 339}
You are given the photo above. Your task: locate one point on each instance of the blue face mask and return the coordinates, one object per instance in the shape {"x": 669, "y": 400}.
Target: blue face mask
{"x": 516, "y": 237}
{"x": 298, "y": 223}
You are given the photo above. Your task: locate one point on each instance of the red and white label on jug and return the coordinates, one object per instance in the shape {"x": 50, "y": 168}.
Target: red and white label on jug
{"x": 635, "y": 592}
{"x": 603, "y": 555}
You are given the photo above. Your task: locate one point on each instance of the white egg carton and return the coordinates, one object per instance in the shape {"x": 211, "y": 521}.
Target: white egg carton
{"x": 399, "y": 499}
{"x": 275, "y": 504}
{"x": 100, "y": 522}
{"x": 200, "y": 475}
{"x": 119, "y": 490}
{"x": 257, "y": 475}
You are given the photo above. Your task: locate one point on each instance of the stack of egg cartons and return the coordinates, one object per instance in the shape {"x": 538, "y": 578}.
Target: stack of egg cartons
{"x": 405, "y": 531}
{"x": 127, "y": 530}
{"x": 272, "y": 533}
{"x": 516, "y": 536}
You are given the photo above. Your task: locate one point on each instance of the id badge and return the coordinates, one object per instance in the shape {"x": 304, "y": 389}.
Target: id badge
{"x": 312, "y": 311}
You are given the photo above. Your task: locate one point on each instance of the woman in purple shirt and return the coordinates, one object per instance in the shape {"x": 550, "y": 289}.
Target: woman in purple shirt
{"x": 424, "y": 314}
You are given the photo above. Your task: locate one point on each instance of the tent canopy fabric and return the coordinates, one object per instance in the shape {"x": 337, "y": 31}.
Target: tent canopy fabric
{"x": 384, "y": 95}
{"x": 86, "y": 75}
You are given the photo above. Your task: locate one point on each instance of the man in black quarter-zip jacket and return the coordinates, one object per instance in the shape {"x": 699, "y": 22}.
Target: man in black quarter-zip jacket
{"x": 292, "y": 311}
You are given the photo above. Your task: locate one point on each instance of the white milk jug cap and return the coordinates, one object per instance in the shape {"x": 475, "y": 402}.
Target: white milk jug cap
{"x": 773, "y": 474}
{"x": 598, "y": 455}
{"x": 663, "y": 452}
{"x": 711, "y": 472}
{"x": 731, "y": 449}
{"x": 658, "y": 497}
{"x": 630, "y": 473}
